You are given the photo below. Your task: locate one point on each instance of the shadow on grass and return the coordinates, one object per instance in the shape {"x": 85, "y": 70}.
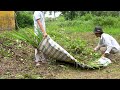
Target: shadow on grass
{"x": 80, "y": 66}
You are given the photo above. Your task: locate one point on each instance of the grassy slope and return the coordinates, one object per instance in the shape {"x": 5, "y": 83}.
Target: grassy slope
{"x": 72, "y": 38}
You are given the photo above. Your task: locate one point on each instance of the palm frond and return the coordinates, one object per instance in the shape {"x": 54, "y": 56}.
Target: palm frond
{"x": 28, "y": 36}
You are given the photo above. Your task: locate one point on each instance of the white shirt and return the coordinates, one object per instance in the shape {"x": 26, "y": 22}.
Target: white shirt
{"x": 38, "y": 15}
{"x": 108, "y": 41}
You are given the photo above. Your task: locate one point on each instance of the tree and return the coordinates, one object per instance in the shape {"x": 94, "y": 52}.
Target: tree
{"x": 16, "y": 24}
{"x": 70, "y": 15}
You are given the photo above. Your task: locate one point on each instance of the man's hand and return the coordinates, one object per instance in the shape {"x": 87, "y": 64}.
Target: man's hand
{"x": 95, "y": 49}
{"x": 105, "y": 55}
{"x": 44, "y": 35}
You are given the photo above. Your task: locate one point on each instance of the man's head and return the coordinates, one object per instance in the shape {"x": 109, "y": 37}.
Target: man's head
{"x": 98, "y": 31}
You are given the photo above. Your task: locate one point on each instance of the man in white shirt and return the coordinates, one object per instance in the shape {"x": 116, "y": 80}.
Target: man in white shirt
{"x": 107, "y": 44}
{"x": 39, "y": 23}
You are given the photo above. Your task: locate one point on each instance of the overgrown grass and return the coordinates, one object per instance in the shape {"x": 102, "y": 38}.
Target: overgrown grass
{"x": 67, "y": 34}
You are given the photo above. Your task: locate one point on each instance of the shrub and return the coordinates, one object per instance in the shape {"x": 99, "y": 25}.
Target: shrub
{"x": 87, "y": 17}
{"x": 105, "y": 21}
{"x": 24, "y": 19}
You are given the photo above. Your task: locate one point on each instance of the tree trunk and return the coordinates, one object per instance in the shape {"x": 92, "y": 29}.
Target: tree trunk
{"x": 16, "y": 24}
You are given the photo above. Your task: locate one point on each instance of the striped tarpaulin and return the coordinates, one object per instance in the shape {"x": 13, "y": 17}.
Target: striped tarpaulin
{"x": 55, "y": 51}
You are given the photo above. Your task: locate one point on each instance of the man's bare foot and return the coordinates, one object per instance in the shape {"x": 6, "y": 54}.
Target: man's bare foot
{"x": 37, "y": 64}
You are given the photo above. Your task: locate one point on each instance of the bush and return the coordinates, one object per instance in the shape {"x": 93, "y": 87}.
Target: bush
{"x": 110, "y": 21}
{"x": 24, "y": 19}
{"x": 87, "y": 17}
{"x": 69, "y": 15}
{"x": 105, "y": 21}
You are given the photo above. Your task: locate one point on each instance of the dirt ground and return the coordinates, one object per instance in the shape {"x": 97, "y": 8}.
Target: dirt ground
{"x": 21, "y": 65}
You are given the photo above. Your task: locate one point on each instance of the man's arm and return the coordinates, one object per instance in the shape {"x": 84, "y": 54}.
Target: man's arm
{"x": 107, "y": 52}
{"x": 109, "y": 46}
{"x": 98, "y": 46}
{"x": 42, "y": 29}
